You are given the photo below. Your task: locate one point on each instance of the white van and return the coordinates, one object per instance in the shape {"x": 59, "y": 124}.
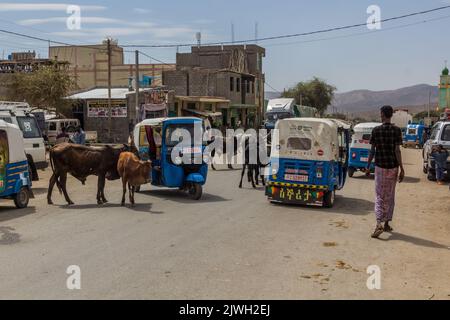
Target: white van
{"x": 53, "y": 128}
{"x": 19, "y": 113}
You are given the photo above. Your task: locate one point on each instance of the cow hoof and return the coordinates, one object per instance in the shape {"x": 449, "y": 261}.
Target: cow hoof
{"x": 50, "y": 203}
{"x": 240, "y": 187}
{"x": 70, "y": 203}
{"x": 123, "y": 204}
{"x": 105, "y": 201}
{"x": 99, "y": 203}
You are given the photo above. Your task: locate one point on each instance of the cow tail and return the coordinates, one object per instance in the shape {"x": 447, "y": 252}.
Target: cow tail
{"x": 58, "y": 183}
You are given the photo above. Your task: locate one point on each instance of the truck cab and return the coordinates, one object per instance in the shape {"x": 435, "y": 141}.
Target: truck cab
{"x": 19, "y": 114}
{"x": 278, "y": 109}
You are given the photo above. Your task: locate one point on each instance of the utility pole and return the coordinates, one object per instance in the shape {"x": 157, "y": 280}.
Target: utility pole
{"x": 136, "y": 86}
{"x": 429, "y": 104}
{"x": 108, "y": 41}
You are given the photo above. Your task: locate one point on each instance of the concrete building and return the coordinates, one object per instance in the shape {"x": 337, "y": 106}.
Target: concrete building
{"x": 89, "y": 65}
{"x": 226, "y": 73}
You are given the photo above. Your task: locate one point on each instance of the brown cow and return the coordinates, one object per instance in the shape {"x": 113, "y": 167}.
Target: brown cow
{"x": 133, "y": 172}
{"x": 81, "y": 162}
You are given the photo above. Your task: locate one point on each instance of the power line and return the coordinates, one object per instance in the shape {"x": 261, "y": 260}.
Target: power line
{"x": 292, "y": 35}
{"x": 153, "y": 58}
{"x": 360, "y": 33}
{"x": 267, "y": 84}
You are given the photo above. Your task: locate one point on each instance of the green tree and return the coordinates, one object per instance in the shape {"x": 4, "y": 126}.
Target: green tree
{"x": 314, "y": 93}
{"x": 44, "y": 88}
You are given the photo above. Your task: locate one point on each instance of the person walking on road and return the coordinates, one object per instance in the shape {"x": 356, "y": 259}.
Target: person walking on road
{"x": 386, "y": 141}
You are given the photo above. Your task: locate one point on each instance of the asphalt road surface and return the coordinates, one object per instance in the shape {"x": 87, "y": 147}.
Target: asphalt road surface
{"x": 232, "y": 244}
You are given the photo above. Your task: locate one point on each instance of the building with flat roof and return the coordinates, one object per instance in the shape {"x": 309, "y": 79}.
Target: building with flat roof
{"x": 88, "y": 64}
{"x": 231, "y": 73}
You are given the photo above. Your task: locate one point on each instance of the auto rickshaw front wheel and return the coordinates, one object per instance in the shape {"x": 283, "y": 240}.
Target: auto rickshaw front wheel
{"x": 328, "y": 199}
{"x": 21, "y": 198}
{"x": 195, "y": 191}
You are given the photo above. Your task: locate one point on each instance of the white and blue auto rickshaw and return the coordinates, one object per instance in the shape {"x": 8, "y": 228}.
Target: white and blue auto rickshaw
{"x": 309, "y": 161}
{"x": 360, "y": 148}
{"x": 15, "y": 182}
{"x": 414, "y": 135}
{"x": 176, "y": 162}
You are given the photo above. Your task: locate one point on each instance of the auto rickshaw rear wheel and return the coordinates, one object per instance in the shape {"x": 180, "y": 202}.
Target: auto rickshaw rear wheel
{"x": 328, "y": 199}
{"x": 351, "y": 172}
{"x": 195, "y": 191}
{"x": 21, "y": 198}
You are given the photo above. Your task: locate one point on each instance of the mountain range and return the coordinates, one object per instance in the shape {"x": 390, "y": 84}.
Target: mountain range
{"x": 367, "y": 103}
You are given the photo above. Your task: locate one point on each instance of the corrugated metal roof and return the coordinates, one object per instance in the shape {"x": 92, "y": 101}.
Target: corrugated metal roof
{"x": 102, "y": 93}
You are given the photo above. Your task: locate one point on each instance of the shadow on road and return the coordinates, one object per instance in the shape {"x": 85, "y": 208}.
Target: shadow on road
{"x": 139, "y": 207}
{"x": 363, "y": 176}
{"x": 182, "y": 197}
{"x": 10, "y": 213}
{"x": 352, "y": 206}
{"x": 8, "y": 237}
{"x": 39, "y": 191}
{"x": 395, "y": 236}
{"x": 411, "y": 180}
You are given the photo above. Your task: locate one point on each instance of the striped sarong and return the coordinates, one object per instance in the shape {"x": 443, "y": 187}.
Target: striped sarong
{"x": 385, "y": 183}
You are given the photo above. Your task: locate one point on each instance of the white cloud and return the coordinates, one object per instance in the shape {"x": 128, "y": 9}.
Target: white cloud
{"x": 156, "y": 32}
{"x": 84, "y": 20}
{"x": 11, "y": 6}
{"x": 141, "y": 10}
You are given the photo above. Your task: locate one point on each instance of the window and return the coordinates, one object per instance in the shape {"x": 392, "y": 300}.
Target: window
{"x": 247, "y": 85}
{"x": 299, "y": 144}
{"x": 52, "y": 126}
{"x": 238, "y": 84}
{"x": 29, "y": 127}
{"x": 446, "y": 133}
{"x": 7, "y": 119}
{"x": 231, "y": 84}
{"x": 412, "y": 131}
{"x": 252, "y": 86}
{"x": 434, "y": 132}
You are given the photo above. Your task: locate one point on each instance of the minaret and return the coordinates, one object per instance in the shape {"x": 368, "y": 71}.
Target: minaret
{"x": 444, "y": 89}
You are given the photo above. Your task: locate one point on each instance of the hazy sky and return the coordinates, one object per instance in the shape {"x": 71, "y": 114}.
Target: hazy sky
{"x": 402, "y": 53}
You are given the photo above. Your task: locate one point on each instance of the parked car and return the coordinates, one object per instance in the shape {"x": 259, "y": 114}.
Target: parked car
{"x": 440, "y": 135}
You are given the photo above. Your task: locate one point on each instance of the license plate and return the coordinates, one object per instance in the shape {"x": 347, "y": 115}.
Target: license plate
{"x": 192, "y": 150}
{"x": 296, "y": 195}
{"x": 296, "y": 177}
{"x": 364, "y": 159}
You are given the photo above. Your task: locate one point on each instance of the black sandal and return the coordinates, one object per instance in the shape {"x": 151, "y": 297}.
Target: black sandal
{"x": 378, "y": 231}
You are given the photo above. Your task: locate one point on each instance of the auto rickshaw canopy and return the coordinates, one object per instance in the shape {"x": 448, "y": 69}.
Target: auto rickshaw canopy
{"x": 14, "y": 141}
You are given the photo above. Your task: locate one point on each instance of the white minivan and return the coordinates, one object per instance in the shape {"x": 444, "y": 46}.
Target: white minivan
{"x": 19, "y": 113}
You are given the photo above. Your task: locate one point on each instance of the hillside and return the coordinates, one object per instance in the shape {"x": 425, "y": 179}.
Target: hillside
{"x": 366, "y": 102}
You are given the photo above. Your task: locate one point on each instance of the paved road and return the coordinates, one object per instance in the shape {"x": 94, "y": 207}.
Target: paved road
{"x": 232, "y": 244}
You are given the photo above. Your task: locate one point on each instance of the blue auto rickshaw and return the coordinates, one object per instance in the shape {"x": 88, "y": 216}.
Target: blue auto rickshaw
{"x": 175, "y": 147}
{"x": 15, "y": 182}
{"x": 309, "y": 161}
{"x": 414, "y": 136}
{"x": 360, "y": 148}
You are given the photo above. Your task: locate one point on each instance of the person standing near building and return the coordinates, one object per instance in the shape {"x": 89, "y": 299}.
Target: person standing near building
{"x": 80, "y": 136}
{"x": 386, "y": 141}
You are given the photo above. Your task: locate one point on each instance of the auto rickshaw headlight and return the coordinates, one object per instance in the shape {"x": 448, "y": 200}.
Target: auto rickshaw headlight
{"x": 178, "y": 161}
